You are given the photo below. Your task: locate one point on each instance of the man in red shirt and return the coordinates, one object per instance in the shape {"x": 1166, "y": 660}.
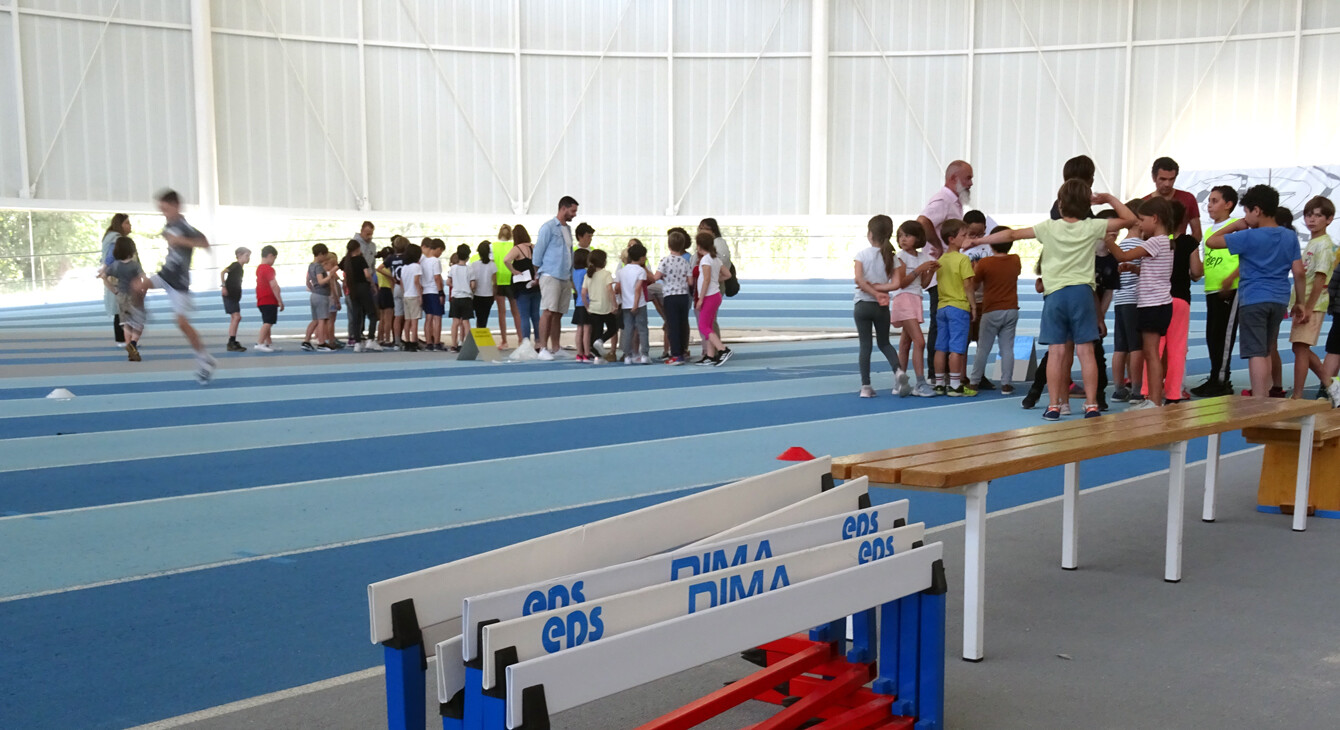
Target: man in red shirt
{"x": 1165, "y": 172}
{"x": 268, "y": 298}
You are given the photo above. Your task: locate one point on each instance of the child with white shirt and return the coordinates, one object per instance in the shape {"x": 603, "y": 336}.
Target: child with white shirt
{"x": 462, "y": 287}
{"x": 484, "y": 273}
{"x": 630, "y": 292}
{"x": 433, "y": 299}
{"x": 410, "y": 282}
{"x": 905, "y": 310}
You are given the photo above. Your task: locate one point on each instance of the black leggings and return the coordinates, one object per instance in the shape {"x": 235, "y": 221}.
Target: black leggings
{"x": 602, "y": 325}
{"x": 116, "y": 327}
{"x": 871, "y": 317}
{"x": 360, "y": 307}
{"x": 677, "y": 322}
{"x": 932, "y": 331}
{"x": 483, "y": 306}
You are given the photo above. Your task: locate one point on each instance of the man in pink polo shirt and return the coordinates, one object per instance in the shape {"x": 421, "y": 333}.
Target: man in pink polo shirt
{"x": 946, "y": 204}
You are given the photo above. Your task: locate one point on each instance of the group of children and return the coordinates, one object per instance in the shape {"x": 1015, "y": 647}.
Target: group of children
{"x": 1082, "y": 270}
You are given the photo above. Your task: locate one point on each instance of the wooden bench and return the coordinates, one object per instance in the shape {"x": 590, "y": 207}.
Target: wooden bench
{"x": 1279, "y": 467}
{"x": 967, "y": 465}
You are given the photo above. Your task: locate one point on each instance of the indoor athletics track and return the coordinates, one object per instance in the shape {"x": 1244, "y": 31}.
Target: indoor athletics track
{"x": 170, "y": 548}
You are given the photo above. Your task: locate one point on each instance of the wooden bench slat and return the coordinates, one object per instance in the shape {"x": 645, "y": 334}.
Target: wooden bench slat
{"x": 887, "y": 471}
{"x": 843, "y": 466}
{"x": 1328, "y": 427}
{"x": 985, "y": 467}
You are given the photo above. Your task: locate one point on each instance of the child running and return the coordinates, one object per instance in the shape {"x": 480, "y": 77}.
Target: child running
{"x": 462, "y": 287}
{"x": 175, "y": 276}
{"x": 877, "y": 272}
{"x": 230, "y": 286}
{"x": 905, "y": 308}
{"x": 128, "y": 288}
{"x": 269, "y": 300}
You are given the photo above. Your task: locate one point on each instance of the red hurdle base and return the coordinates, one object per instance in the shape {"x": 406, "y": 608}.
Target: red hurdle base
{"x": 811, "y": 680}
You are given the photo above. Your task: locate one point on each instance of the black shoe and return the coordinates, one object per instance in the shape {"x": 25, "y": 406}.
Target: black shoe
{"x": 1102, "y": 405}
{"x": 1206, "y": 388}
{"x": 1030, "y": 400}
{"x": 1224, "y": 388}
{"x": 985, "y": 384}
{"x": 723, "y": 356}
{"x": 235, "y": 346}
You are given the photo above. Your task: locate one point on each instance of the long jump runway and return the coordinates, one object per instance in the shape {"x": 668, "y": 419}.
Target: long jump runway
{"x": 171, "y": 548}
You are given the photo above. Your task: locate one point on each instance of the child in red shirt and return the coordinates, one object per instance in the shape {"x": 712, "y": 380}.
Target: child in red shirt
{"x": 268, "y": 298}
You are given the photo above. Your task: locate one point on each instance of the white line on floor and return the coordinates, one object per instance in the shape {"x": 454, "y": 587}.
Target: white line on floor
{"x": 261, "y": 700}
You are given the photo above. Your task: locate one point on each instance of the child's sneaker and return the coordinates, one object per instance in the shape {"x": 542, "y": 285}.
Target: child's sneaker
{"x": 204, "y": 372}
{"x": 1030, "y": 399}
{"x": 867, "y": 391}
{"x": 956, "y": 392}
{"x": 132, "y": 352}
{"x": 941, "y": 390}
{"x": 1278, "y": 393}
{"x": 1092, "y": 411}
{"x": 1052, "y": 413}
{"x": 235, "y": 346}
{"x": 723, "y": 356}
{"x": 306, "y": 346}
{"x": 1333, "y": 391}
{"x": 904, "y": 388}
{"x": 643, "y": 360}
{"x": 358, "y": 347}
{"x": 1007, "y": 389}
{"x": 596, "y": 361}
{"x": 1065, "y": 409}
{"x": 371, "y": 346}
{"x": 969, "y": 391}
{"x": 1121, "y": 394}
{"x": 598, "y": 347}
{"x": 545, "y": 355}
{"x": 258, "y": 347}
{"x": 924, "y": 390}
{"x": 323, "y": 347}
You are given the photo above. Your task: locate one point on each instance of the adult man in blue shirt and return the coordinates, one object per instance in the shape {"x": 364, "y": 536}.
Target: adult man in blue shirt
{"x": 553, "y": 260}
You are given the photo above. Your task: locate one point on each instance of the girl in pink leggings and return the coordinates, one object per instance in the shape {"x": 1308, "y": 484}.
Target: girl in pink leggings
{"x": 709, "y": 300}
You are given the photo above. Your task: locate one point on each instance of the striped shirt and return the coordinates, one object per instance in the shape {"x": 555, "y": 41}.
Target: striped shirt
{"x": 1155, "y": 288}
{"x": 1129, "y": 279}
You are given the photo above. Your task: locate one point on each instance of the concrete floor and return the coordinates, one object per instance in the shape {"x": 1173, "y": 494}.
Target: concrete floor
{"x": 1248, "y": 639}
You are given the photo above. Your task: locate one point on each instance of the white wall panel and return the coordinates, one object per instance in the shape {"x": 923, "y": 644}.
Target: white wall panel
{"x": 1002, "y": 24}
{"x": 760, "y": 161}
{"x": 1239, "y": 116}
{"x": 1164, "y": 19}
{"x": 1023, "y": 133}
{"x": 129, "y": 129}
{"x": 878, "y": 160}
{"x": 323, "y": 18}
{"x": 423, "y": 155}
{"x": 1321, "y": 14}
{"x": 476, "y": 23}
{"x": 588, "y": 25}
{"x": 741, "y": 26}
{"x": 612, "y": 157}
{"x": 1318, "y": 90}
{"x": 273, "y": 151}
{"x": 10, "y": 177}
{"x": 163, "y": 11}
{"x": 898, "y": 25}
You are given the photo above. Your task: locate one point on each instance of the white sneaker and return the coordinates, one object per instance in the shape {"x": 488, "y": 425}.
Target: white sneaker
{"x": 1143, "y": 405}
{"x": 867, "y": 391}
{"x": 121, "y": 345}
{"x": 904, "y": 388}
{"x": 598, "y": 347}
{"x": 1065, "y": 408}
{"x": 643, "y": 360}
{"x": 1333, "y": 390}
{"x": 358, "y": 347}
{"x": 371, "y": 346}
{"x": 544, "y": 355}
{"x": 258, "y": 347}
{"x": 627, "y": 359}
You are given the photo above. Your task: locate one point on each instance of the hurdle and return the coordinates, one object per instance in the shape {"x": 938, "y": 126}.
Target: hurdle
{"x": 908, "y": 589}
{"x": 424, "y": 608}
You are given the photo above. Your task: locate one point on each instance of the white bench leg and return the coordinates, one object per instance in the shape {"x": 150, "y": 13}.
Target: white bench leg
{"x": 1309, "y": 425}
{"x": 974, "y": 572}
{"x": 1070, "y": 519}
{"x": 1211, "y": 477}
{"x": 1172, "y": 563}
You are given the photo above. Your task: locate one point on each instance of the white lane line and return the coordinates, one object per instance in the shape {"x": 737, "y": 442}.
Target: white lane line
{"x": 334, "y": 545}
{"x": 371, "y": 672}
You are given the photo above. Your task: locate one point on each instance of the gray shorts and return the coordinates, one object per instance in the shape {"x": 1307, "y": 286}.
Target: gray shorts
{"x": 555, "y": 294}
{"x": 398, "y": 296}
{"x": 1259, "y": 328}
{"x": 320, "y": 305}
{"x": 183, "y": 304}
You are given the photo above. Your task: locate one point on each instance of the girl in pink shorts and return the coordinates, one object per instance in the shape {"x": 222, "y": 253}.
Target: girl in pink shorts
{"x": 915, "y": 269}
{"x": 709, "y": 300}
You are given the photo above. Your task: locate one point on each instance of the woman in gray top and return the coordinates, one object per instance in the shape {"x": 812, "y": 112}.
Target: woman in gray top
{"x": 120, "y": 226}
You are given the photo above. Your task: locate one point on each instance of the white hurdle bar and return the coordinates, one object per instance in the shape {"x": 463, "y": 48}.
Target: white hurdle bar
{"x": 549, "y": 632}
{"x": 685, "y": 562}
{"x": 423, "y": 608}
{"x": 555, "y": 682}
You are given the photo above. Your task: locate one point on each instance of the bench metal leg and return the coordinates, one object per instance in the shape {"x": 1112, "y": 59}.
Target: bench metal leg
{"x": 974, "y": 572}
{"x": 1309, "y": 426}
{"x": 1172, "y": 564}
{"x": 1211, "y": 478}
{"x": 1070, "y": 519}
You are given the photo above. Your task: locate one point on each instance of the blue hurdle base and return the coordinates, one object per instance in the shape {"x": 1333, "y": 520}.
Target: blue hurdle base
{"x": 405, "y": 695}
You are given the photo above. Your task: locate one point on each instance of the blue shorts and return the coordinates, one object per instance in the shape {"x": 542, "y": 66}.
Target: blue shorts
{"x": 951, "y": 330}
{"x": 1068, "y": 315}
{"x": 433, "y": 304}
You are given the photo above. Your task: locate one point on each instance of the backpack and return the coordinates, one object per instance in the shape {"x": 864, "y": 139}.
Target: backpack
{"x": 730, "y": 287}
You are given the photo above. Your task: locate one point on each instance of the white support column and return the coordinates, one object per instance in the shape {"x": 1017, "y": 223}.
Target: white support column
{"x": 972, "y": 70}
{"x": 819, "y": 107}
{"x": 365, "y": 179}
{"x": 1308, "y": 430}
{"x": 1126, "y": 103}
{"x": 25, "y": 174}
{"x": 1297, "y": 69}
{"x": 519, "y": 205}
{"x": 1211, "y": 478}
{"x": 206, "y": 143}
{"x": 1172, "y": 561}
{"x": 974, "y": 572}
{"x": 671, "y": 209}
{"x": 1070, "y": 519}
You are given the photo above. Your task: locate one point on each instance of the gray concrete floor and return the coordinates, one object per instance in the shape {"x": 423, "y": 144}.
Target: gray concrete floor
{"x": 1249, "y": 639}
